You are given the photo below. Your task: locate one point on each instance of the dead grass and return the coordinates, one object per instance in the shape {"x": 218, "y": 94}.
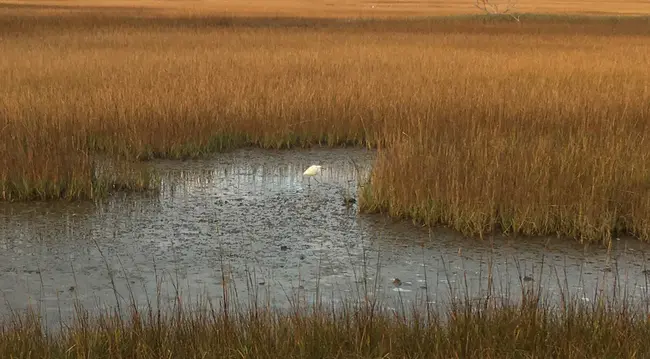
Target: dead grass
{"x": 529, "y": 327}
{"x": 531, "y": 139}
{"x": 535, "y": 127}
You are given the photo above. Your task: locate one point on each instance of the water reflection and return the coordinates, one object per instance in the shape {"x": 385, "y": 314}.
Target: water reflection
{"x": 249, "y": 219}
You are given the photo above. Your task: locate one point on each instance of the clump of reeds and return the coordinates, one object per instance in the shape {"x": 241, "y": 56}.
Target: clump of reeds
{"x": 47, "y": 164}
{"x": 558, "y": 146}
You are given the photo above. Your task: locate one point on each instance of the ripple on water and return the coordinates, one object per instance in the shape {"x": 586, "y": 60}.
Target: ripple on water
{"x": 249, "y": 217}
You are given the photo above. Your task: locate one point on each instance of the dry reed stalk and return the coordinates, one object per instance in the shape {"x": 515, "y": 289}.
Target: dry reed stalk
{"x": 549, "y": 145}
{"x": 514, "y": 326}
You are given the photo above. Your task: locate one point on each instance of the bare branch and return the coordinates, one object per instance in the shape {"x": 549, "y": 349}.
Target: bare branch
{"x": 493, "y": 9}
{"x": 484, "y": 5}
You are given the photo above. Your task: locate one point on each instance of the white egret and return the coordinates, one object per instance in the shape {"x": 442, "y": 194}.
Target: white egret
{"x": 312, "y": 171}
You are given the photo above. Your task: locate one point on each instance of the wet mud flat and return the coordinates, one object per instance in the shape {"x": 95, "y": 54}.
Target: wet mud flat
{"x": 249, "y": 221}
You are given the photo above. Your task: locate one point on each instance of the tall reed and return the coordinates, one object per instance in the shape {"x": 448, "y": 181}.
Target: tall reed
{"x": 541, "y": 143}
{"x": 466, "y": 329}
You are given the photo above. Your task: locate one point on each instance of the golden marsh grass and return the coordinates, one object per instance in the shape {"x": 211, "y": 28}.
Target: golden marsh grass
{"x": 468, "y": 331}
{"x": 342, "y": 8}
{"x": 530, "y": 140}
{"x": 536, "y": 127}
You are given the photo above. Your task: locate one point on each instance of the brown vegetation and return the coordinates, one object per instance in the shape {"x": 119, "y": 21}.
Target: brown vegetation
{"x": 535, "y": 127}
{"x": 338, "y": 8}
{"x": 531, "y": 328}
{"x": 537, "y": 137}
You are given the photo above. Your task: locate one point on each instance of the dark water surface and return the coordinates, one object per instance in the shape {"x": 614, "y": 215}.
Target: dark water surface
{"x": 249, "y": 218}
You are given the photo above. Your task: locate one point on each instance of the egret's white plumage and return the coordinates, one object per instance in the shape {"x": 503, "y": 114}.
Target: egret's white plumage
{"x": 312, "y": 171}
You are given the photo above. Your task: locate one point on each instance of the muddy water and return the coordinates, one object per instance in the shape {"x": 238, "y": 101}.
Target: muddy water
{"x": 248, "y": 219}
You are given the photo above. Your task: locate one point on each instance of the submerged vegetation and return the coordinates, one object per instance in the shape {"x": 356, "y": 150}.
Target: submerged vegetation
{"x": 532, "y": 127}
